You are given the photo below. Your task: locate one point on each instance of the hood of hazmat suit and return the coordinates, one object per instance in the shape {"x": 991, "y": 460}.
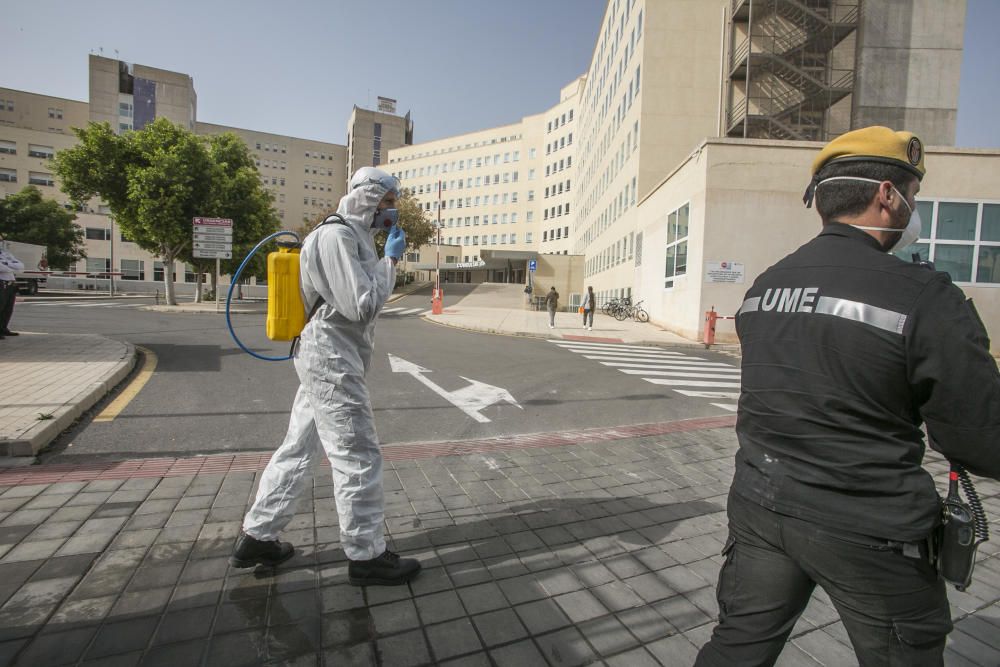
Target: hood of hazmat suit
{"x": 339, "y": 264}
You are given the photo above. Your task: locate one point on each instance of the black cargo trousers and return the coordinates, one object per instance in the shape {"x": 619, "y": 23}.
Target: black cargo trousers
{"x": 893, "y": 605}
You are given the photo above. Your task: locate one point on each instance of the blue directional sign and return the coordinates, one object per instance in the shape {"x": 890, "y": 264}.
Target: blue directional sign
{"x": 532, "y": 264}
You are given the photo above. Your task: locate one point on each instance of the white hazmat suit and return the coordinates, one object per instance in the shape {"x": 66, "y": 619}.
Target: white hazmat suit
{"x": 338, "y": 264}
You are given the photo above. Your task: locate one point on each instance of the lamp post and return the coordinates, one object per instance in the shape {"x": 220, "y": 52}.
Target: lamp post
{"x": 437, "y": 306}
{"x": 111, "y": 271}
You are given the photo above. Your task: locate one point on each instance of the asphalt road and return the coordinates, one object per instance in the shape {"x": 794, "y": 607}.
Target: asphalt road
{"x": 207, "y": 396}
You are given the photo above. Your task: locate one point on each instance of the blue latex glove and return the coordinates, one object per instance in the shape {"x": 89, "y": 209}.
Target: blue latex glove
{"x": 395, "y": 244}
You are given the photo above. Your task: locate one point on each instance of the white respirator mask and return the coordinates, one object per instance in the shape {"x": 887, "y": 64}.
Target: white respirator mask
{"x": 912, "y": 230}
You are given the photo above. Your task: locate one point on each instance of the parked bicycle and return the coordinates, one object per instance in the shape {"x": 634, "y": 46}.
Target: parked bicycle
{"x": 612, "y": 307}
{"x": 636, "y": 312}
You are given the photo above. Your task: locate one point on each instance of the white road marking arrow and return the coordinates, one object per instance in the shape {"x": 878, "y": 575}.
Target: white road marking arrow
{"x": 470, "y": 400}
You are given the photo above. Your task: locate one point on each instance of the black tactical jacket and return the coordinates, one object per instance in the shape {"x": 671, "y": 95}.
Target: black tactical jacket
{"x": 846, "y": 351}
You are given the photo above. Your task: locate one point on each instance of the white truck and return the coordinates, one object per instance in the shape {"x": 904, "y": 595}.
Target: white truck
{"x": 35, "y": 272}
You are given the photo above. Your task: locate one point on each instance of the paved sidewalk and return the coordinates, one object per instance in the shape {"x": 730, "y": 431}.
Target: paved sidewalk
{"x": 49, "y": 380}
{"x": 520, "y": 322}
{"x": 591, "y": 547}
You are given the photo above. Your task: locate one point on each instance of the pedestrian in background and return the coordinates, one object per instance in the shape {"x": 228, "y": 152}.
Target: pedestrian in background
{"x": 848, "y": 351}
{"x": 552, "y": 304}
{"x": 8, "y": 288}
{"x": 589, "y": 305}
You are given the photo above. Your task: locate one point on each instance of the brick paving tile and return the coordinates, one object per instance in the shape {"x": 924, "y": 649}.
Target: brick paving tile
{"x": 673, "y": 650}
{"x": 521, "y": 654}
{"x": 608, "y": 635}
{"x": 541, "y": 616}
{"x": 438, "y": 607}
{"x": 566, "y": 647}
{"x": 405, "y": 650}
{"x": 122, "y": 637}
{"x": 58, "y": 648}
{"x": 453, "y": 638}
{"x": 483, "y": 597}
{"x": 499, "y": 627}
{"x": 394, "y": 617}
{"x": 173, "y": 655}
{"x": 581, "y": 606}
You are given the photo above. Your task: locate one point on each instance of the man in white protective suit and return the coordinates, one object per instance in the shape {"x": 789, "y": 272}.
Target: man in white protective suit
{"x": 332, "y": 411}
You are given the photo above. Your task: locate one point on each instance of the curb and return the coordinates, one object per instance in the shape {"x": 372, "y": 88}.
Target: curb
{"x": 41, "y": 434}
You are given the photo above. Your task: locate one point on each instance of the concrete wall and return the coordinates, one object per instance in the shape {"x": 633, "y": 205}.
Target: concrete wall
{"x": 565, "y": 273}
{"x": 909, "y": 59}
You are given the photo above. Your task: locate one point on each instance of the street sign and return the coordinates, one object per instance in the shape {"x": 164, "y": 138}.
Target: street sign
{"x": 532, "y": 264}
{"x": 219, "y": 238}
{"x": 214, "y": 222}
{"x": 202, "y": 253}
{"x": 208, "y": 229}
{"x": 212, "y": 245}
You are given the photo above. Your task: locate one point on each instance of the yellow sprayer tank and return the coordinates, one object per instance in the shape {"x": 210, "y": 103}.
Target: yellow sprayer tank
{"x": 285, "y": 313}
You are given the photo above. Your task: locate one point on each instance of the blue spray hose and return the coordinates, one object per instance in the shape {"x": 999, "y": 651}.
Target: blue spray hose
{"x": 235, "y": 281}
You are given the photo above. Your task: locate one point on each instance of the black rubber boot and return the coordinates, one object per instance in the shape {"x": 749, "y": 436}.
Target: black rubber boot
{"x": 250, "y": 551}
{"x": 386, "y": 570}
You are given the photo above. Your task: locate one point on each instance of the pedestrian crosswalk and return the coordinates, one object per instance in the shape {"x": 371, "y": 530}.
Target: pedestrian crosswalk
{"x": 403, "y": 312}
{"x": 688, "y": 375}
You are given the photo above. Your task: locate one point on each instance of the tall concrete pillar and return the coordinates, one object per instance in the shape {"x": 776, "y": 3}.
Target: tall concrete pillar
{"x": 909, "y": 60}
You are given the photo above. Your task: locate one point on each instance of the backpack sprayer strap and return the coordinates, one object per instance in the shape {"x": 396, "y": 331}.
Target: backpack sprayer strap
{"x": 334, "y": 218}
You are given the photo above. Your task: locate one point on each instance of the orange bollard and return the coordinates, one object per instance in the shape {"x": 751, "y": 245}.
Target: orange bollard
{"x": 709, "y": 336}
{"x": 437, "y": 306}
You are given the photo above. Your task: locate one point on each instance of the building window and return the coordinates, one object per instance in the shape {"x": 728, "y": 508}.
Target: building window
{"x": 40, "y": 178}
{"x": 677, "y": 241}
{"x": 8, "y": 147}
{"x": 97, "y": 233}
{"x": 961, "y": 238}
{"x": 98, "y": 267}
{"x": 44, "y": 152}
{"x": 132, "y": 269}
{"x": 8, "y": 175}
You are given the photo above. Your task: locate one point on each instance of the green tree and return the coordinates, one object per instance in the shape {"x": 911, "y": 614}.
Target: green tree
{"x": 157, "y": 179}
{"x": 28, "y": 217}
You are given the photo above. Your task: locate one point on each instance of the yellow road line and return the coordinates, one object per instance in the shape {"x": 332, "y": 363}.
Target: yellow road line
{"x": 142, "y": 377}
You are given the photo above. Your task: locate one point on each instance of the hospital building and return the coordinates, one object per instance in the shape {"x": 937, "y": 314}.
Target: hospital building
{"x": 670, "y": 170}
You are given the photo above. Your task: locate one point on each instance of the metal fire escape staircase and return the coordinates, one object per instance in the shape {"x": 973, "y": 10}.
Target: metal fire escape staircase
{"x": 786, "y": 66}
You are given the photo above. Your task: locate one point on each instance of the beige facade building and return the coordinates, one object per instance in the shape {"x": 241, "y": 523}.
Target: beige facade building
{"x": 671, "y": 170}
{"x": 306, "y": 178}
{"x": 735, "y": 222}
{"x": 372, "y": 134}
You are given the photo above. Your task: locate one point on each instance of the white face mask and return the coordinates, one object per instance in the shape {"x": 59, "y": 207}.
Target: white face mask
{"x": 912, "y": 230}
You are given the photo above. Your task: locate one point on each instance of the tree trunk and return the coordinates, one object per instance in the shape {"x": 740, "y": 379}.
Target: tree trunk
{"x": 215, "y": 285}
{"x": 197, "y": 290}
{"x": 168, "y": 279}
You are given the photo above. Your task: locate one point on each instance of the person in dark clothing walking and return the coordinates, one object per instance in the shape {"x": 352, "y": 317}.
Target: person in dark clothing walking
{"x": 552, "y": 305}
{"x": 847, "y": 351}
{"x": 9, "y": 264}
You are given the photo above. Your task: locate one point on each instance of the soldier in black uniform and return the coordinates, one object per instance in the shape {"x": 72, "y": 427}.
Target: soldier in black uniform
{"x": 847, "y": 350}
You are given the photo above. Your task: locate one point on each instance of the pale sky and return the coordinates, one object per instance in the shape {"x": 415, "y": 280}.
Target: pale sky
{"x": 297, "y": 67}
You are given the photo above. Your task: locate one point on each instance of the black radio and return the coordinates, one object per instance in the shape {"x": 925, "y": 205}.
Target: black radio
{"x": 962, "y": 530}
